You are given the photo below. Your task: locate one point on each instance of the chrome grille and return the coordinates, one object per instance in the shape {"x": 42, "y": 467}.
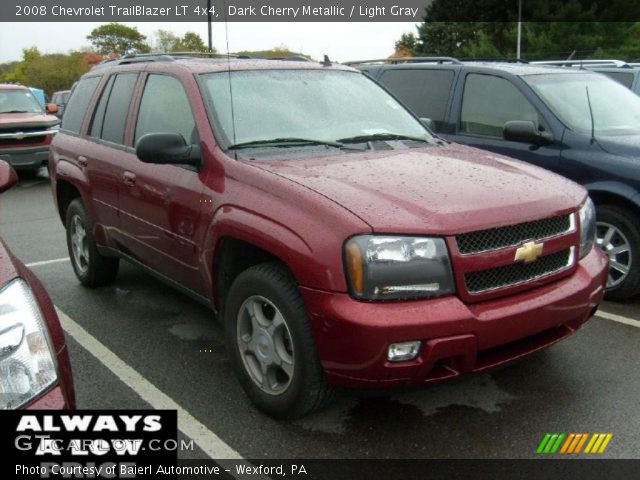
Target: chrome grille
{"x": 501, "y": 237}
{"x": 494, "y": 278}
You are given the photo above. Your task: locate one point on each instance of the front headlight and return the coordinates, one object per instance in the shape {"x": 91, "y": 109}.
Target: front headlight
{"x": 388, "y": 267}
{"x": 27, "y": 365}
{"x": 587, "y": 216}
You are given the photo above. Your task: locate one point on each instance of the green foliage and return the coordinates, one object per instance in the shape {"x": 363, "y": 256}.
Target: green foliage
{"x": 48, "y": 72}
{"x": 117, "y": 38}
{"x": 552, "y": 29}
{"x": 166, "y": 41}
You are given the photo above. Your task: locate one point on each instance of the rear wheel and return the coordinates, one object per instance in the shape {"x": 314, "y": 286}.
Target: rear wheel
{"x": 91, "y": 268}
{"x": 618, "y": 237}
{"x": 271, "y": 343}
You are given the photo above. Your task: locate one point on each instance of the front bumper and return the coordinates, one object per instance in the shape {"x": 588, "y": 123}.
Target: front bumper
{"x": 352, "y": 337}
{"x": 25, "y": 158}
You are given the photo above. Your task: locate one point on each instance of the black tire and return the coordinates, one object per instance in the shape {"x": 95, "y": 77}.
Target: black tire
{"x": 307, "y": 389}
{"x": 625, "y": 222}
{"x": 96, "y": 270}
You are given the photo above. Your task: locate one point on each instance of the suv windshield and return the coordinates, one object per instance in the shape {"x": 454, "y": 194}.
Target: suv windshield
{"x": 321, "y": 106}
{"x": 616, "y": 110}
{"x": 18, "y": 101}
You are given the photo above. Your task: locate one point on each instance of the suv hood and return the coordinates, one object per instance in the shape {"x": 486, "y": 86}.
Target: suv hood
{"x": 437, "y": 190}
{"x": 26, "y": 120}
{"x": 624, "y": 145}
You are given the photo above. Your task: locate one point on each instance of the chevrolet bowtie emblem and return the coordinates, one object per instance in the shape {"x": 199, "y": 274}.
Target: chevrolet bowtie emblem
{"x": 529, "y": 252}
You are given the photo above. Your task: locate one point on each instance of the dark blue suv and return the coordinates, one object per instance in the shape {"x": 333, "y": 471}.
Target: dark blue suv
{"x": 577, "y": 123}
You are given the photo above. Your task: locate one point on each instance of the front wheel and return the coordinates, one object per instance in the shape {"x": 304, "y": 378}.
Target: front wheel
{"x": 91, "y": 268}
{"x": 271, "y": 344}
{"x": 618, "y": 237}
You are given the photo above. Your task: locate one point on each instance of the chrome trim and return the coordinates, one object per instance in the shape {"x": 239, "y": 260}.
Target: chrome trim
{"x": 570, "y": 263}
{"x": 21, "y": 135}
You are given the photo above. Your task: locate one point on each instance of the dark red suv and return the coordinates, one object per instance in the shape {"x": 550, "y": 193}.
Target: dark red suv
{"x": 340, "y": 241}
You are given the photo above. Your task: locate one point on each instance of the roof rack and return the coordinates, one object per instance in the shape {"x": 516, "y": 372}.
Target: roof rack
{"x": 495, "y": 60}
{"x": 160, "y": 57}
{"x": 396, "y": 60}
{"x": 586, "y": 63}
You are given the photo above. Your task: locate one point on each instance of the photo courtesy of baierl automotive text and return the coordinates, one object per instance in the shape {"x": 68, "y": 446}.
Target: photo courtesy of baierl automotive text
{"x": 320, "y": 240}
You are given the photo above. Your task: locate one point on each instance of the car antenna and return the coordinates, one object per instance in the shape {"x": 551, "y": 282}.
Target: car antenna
{"x": 233, "y": 117}
{"x": 593, "y": 123}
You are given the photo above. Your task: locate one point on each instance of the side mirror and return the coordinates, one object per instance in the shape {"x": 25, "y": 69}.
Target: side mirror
{"x": 52, "y": 108}
{"x": 427, "y": 122}
{"x": 8, "y": 176}
{"x": 526, "y": 132}
{"x": 167, "y": 149}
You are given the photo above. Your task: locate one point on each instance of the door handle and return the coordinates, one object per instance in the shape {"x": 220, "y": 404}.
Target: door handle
{"x": 83, "y": 161}
{"x": 129, "y": 178}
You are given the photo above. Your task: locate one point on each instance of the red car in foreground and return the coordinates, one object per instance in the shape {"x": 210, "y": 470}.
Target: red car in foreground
{"x": 340, "y": 241}
{"x": 34, "y": 363}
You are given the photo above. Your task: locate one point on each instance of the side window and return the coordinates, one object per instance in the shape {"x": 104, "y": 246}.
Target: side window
{"x": 625, "y": 79}
{"x": 78, "y": 103}
{"x": 164, "y": 108}
{"x": 110, "y": 119}
{"x": 98, "y": 116}
{"x": 424, "y": 91}
{"x": 489, "y": 102}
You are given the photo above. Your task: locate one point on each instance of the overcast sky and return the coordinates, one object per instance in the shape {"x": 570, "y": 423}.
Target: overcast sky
{"x": 341, "y": 41}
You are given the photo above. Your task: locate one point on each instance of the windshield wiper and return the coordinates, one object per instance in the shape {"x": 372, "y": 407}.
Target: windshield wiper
{"x": 382, "y": 136}
{"x": 17, "y": 111}
{"x": 284, "y": 142}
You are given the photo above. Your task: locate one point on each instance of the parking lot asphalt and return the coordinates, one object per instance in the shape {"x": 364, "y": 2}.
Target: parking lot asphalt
{"x": 174, "y": 347}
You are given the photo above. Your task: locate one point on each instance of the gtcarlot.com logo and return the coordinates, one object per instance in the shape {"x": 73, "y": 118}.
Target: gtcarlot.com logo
{"x": 89, "y": 444}
{"x": 574, "y": 443}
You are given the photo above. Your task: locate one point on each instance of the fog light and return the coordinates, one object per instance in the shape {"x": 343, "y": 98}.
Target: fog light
{"x": 401, "y": 352}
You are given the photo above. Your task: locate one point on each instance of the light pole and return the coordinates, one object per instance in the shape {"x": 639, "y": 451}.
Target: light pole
{"x": 519, "y": 29}
{"x": 209, "y": 26}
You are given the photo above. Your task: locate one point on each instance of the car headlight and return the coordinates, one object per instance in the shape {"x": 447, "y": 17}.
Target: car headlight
{"x": 27, "y": 365}
{"x": 389, "y": 267}
{"x": 587, "y": 216}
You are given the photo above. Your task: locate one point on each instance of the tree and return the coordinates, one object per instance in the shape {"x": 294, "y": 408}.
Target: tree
{"x": 281, "y": 51}
{"x": 552, "y": 29}
{"x": 117, "y": 38}
{"x": 166, "y": 41}
{"x": 191, "y": 42}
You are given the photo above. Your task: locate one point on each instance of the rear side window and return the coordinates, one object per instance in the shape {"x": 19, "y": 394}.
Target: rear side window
{"x": 624, "y": 78}
{"x": 110, "y": 118}
{"x": 489, "y": 102}
{"x": 424, "y": 91}
{"x": 78, "y": 102}
{"x": 164, "y": 108}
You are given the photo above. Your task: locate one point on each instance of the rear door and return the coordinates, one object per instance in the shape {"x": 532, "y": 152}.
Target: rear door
{"x": 425, "y": 91}
{"x": 489, "y": 101}
{"x": 160, "y": 204}
{"x": 106, "y": 159}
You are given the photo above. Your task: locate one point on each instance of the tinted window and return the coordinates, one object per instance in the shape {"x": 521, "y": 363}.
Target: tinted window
{"x": 624, "y": 78}
{"x": 426, "y": 92}
{"x": 115, "y": 117}
{"x": 165, "y": 109}
{"x": 98, "y": 116}
{"x": 489, "y": 102}
{"x": 78, "y": 103}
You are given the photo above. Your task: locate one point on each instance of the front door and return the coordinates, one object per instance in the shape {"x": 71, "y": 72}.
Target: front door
{"x": 488, "y": 102}
{"x": 160, "y": 204}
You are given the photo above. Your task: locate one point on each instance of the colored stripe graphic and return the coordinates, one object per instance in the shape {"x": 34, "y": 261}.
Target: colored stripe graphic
{"x": 572, "y": 443}
{"x": 550, "y": 443}
{"x": 598, "y": 443}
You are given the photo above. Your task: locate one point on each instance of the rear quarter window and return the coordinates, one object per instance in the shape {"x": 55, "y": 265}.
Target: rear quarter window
{"x": 78, "y": 103}
{"x": 624, "y": 78}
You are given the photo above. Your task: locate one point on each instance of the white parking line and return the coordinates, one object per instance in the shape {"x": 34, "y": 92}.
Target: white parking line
{"x": 47, "y": 262}
{"x": 618, "y": 318}
{"x": 208, "y": 441}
